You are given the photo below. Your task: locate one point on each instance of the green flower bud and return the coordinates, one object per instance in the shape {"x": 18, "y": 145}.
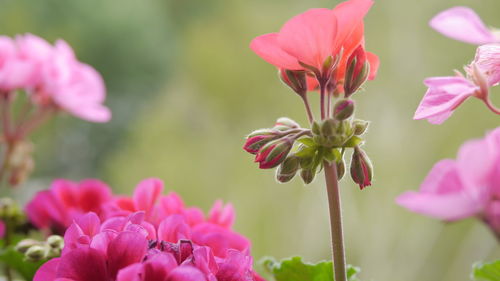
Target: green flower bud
{"x": 340, "y": 169}
{"x": 307, "y": 175}
{"x": 360, "y": 126}
{"x": 25, "y": 244}
{"x": 35, "y": 253}
{"x": 328, "y": 127}
{"x": 316, "y": 128}
{"x": 55, "y": 242}
{"x": 343, "y": 109}
{"x": 288, "y": 169}
{"x": 296, "y": 80}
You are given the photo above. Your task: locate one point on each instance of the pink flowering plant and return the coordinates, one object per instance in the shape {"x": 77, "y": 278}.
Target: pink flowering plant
{"x": 83, "y": 231}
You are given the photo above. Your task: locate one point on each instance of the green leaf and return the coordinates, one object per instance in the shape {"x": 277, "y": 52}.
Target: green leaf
{"x": 332, "y": 155}
{"x": 305, "y": 152}
{"x": 353, "y": 141}
{"x": 15, "y": 260}
{"x": 486, "y": 271}
{"x": 307, "y": 141}
{"x": 294, "y": 269}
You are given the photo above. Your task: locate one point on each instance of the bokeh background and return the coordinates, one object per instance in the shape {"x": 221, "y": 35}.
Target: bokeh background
{"x": 184, "y": 89}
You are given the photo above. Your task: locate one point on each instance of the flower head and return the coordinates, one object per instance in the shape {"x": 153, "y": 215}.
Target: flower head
{"x": 463, "y": 24}
{"x": 465, "y": 187}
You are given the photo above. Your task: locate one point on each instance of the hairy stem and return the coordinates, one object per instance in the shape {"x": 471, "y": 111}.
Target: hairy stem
{"x": 310, "y": 115}
{"x": 334, "y": 204}
{"x": 322, "y": 90}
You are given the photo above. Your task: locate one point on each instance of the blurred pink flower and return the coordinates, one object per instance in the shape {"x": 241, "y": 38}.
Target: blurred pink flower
{"x": 443, "y": 96}
{"x": 2, "y": 229}
{"x": 127, "y": 250}
{"x": 487, "y": 61}
{"x": 315, "y": 35}
{"x": 465, "y": 187}
{"x": 463, "y": 24}
{"x": 56, "y": 208}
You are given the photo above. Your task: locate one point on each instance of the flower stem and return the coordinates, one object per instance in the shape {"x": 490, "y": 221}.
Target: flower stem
{"x": 310, "y": 115}
{"x": 334, "y": 204}
{"x": 322, "y": 90}
{"x": 490, "y": 105}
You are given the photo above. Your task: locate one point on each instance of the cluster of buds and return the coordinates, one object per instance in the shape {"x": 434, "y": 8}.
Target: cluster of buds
{"x": 35, "y": 251}
{"x": 11, "y": 215}
{"x": 295, "y": 150}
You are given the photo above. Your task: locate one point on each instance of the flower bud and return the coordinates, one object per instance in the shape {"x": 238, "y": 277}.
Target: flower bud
{"x": 257, "y": 139}
{"x": 307, "y": 175}
{"x": 288, "y": 169}
{"x": 340, "y": 169}
{"x": 315, "y": 128}
{"x": 55, "y": 241}
{"x": 274, "y": 153}
{"x": 358, "y": 69}
{"x": 343, "y": 109}
{"x": 361, "y": 168}
{"x": 25, "y": 244}
{"x": 296, "y": 80}
{"x": 287, "y": 122}
{"x": 328, "y": 127}
{"x": 360, "y": 126}
{"x": 35, "y": 253}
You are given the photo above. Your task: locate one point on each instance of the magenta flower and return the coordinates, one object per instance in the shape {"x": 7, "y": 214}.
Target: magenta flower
{"x": 443, "y": 96}
{"x": 463, "y": 24}
{"x": 56, "y": 208}
{"x": 129, "y": 248}
{"x": 465, "y": 187}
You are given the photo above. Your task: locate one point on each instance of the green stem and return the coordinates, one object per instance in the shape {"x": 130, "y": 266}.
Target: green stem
{"x": 334, "y": 204}
{"x": 490, "y": 105}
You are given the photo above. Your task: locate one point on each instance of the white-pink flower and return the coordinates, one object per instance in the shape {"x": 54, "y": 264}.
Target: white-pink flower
{"x": 463, "y": 24}
{"x": 465, "y": 187}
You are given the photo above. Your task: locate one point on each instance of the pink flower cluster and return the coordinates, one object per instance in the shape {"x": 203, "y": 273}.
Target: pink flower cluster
{"x": 466, "y": 187}
{"x": 444, "y": 94}
{"x": 146, "y": 237}
{"x": 52, "y": 76}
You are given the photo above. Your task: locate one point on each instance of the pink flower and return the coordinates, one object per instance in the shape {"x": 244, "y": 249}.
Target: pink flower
{"x": 2, "y": 229}
{"x": 174, "y": 221}
{"x": 312, "y": 37}
{"x": 487, "y": 61}
{"x": 126, "y": 250}
{"x": 465, "y": 187}
{"x": 74, "y": 86}
{"x": 463, "y": 24}
{"x": 443, "y": 96}
{"x": 57, "y": 207}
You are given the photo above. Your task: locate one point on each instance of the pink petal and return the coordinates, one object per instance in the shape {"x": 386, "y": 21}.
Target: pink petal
{"x": 89, "y": 223}
{"x": 442, "y": 97}
{"x": 222, "y": 215}
{"x": 266, "y": 46}
{"x": 487, "y": 61}
{"x": 127, "y": 248}
{"x": 92, "y": 195}
{"x": 172, "y": 204}
{"x": 463, "y": 24}
{"x": 350, "y": 15}
{"x": 374, "y": 64}
{"x": 310, "y": 36}
{"x": 147, "y": 193}
{"x": 131, "y": 273}
{"x": 219, "y": 239}
{"x": 186, "y": 273}
{"x": 83, "y": 264}
{"x": 48, "y": 271}
{"x": 173, "y": 228}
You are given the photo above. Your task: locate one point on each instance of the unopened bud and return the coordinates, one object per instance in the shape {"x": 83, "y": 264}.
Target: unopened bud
{"x": 296, "y": 80}
{"x": 316, "y": 128}
{"x": 287, "y": 122}
{"x": 307, "y": 175}
{"x": 25, "y": 244}
{"x": 55, "y": 241}
{"x": 360, "y": 126}
{"x": 328, "y": 127}
{"x": 274, "y": 153}
{"x": 361, "y": 168}
{"x": 257, "y": 139}
{"x": 35, "y": 253}
{"x": 358, "y": 69}
{"x": 343, "y": 109}
{"x": 340, "y": 169}
{"x": 288, "y": 169}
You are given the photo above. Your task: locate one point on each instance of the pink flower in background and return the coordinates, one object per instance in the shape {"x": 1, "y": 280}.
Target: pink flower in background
{"x": 463, "y": 24}
{"x": 487, "y": 61}
{"x": 2, "y": 229}
{"x": 465, "y": 187}
{"x": 443, "y": 96}
{"x": 57, "y": 207}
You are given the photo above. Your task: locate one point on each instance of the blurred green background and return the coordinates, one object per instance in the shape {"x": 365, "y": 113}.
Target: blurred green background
{"x": 185, "y": 88}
